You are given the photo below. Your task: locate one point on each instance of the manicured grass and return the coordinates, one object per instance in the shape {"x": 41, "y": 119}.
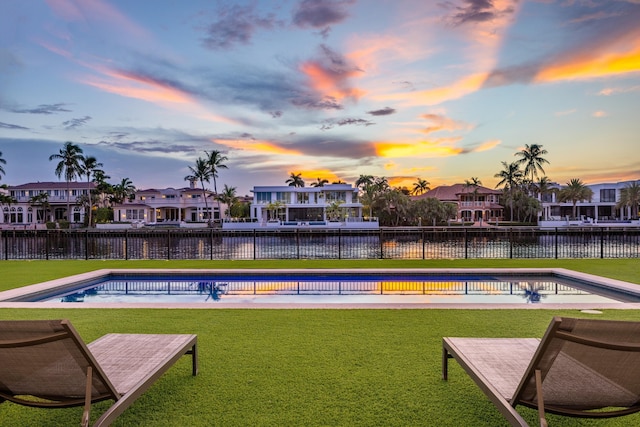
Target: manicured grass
{"x": 307, "y": 367}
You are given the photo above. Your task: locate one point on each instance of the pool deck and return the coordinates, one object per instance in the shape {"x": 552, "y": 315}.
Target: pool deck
{"x": 612, "y": 284}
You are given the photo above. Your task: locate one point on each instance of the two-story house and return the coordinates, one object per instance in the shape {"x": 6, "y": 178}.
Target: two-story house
{"x": 40, "y": 202}
{"x": 475, "y": 203}
{"x": 330, "y": 206}
{"x": 169, "y": 206}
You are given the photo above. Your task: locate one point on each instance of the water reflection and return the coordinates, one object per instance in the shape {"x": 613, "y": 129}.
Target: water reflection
{"x": 532, "y": 292}
{"x": 213, "y": 290}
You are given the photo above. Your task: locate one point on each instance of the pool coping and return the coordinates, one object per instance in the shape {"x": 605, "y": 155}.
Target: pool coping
{"x": 613, "y": 284}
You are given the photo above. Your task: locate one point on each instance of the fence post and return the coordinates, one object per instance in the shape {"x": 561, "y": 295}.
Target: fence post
{"x": 211, "y": 244}
{"x": 126, "y": 244}
{"x": 254, "y": 244}
{"x": 6, "y": 244}
{"x": 46, "y": 242}
{"x": 381, "y": 245}
{"x": 510, "y": 242}
{"x": 339, "y": 243}
{"x": 298, "y": 243}
{"x": 86, "y": 244}
{"x": 466, "y": 244}
{"x": 423, "y": 244}
{"x": 602, "y": 242}
{"x": 168, "y": 244}
{"x": 556, "y": 243}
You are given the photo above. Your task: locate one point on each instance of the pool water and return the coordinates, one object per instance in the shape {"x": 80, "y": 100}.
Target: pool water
{"x": 336, "y": 289}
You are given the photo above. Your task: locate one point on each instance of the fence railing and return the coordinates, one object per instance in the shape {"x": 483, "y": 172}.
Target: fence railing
{"x": 386, "y": 243}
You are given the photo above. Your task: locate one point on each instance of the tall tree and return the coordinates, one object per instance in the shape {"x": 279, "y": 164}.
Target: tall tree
{"x": 2, "y": 162}
{"x": 574, "y": 192}
{"x": 320, "y": 182}
{"x": 70, "y": 165}
{"x": 510, "y": 176}
{"x": 531, "y": 157}
{"x": 473, "y": 183}
{"x": 123, "y": 191}
{"x": 216, "y": 161}
{"x": 630, "y": 196}
{"x": 295, "y": 180}
{"x": 421, "y": 186}
{"x": 228, "y": 197}
{"x": 89, "y": 167}
{"x": 364, "y": 180}
{"x": 201, "y": 172}
{"x": 102, "y": 186}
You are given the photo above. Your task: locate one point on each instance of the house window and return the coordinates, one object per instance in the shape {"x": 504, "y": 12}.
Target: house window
{"x": 283, "y": 197}
{"x": 263, "y": 197}
{"x": 608, "y": 195}
{"x": 336, "y": 196}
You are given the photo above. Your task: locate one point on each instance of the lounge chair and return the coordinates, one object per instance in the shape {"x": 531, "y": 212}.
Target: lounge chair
{"x": 580, "y": 368}
{"x": 45, "y": 363}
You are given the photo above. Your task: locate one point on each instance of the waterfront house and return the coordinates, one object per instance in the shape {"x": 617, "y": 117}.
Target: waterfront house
{"x": 169, "y": 206}
{"x": 474, "y": 203}
{"x": 36, "y": 203}
{"x": 329, "y": 206}
{"x": 601, "y": 209}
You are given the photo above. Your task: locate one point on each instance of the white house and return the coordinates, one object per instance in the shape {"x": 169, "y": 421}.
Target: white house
{"x": 169, "y": 206}
{"x": 601, "y": 209}
{"x": 330, "y": 206}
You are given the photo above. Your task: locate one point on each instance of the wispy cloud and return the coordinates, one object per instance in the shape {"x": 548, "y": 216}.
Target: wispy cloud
{"x": 617, "y": 90}
{"x": 599, "y": 114}
{"x": 565, "y": 113}
{"x": 75, "y": 123}
{"x": 439, "y": 122}
{"x": 42, "y": 109}
{"x": 331, "y": 123}
{"x": 386, "y": 111}
{"x": 12, "y": 126}
{"x": 474, "y": 11}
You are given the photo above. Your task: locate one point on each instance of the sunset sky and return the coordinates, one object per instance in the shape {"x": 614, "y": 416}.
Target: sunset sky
{"x": 440, "y": 90}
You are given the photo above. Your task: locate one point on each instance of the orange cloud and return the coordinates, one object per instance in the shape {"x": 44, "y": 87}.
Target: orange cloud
{"x": 438, "y": 148}
{"x": 263, "y": 147}
{"x": 488, "y": 145}
{"x": 145, "y": 91}
{"x": 615, "y": 58}
{"x": 458, "y": 89}
{"x": 442, "y": 123}
{"x": 331, "y": 83}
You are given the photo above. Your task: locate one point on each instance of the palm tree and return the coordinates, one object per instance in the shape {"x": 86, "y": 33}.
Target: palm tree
{"x": 575, "y": 191}
{"x": 2, "y": 162}
{"x": 216, "y": 161}
{"x": 474, "y": 183}
{"x": 295, "y": 180}
{"x": 102, "y": 186}
{"x": 40, "y": 200}
{"x": 421, "y": 186}
{"x": 90, "y": 166}
{"x": 201, "y": 172}
{"x": 123, "y": 191}
{"x": 228, "y": 197}
{"x": 531, "y": 157}
{"x": 630, "y": 196}
{"x": 364, "y": 180}
{"x": 70, "y": 165}
{"x": 510, "y": 175}
{"x": 320, "y": 183}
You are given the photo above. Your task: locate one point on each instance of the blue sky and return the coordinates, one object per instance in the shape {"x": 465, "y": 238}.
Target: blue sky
{"x": 438, "y": 90}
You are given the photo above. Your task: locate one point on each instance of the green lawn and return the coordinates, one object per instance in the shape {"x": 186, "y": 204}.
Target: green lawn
{"x": 306, "y": 367}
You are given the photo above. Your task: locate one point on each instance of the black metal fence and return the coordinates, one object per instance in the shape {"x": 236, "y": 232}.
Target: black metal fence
{"x": 386, "y": 243}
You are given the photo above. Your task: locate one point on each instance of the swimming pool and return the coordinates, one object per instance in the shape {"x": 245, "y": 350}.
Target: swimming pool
{"x": 370, "y": 286}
